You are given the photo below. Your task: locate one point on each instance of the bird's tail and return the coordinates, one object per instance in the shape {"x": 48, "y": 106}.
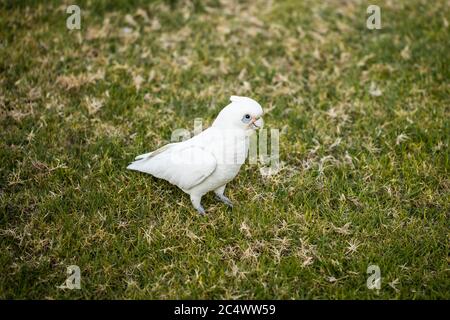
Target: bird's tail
{"x": 138, "y": 162}
{"x": 141, "y": 159}
{"x": 142, "y": 156}
{"x": 135, "y": 165}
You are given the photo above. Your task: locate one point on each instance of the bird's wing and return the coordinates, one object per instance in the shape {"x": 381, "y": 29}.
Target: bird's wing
{"x": 184, "y": 166}
{"x": 154, "y": 153}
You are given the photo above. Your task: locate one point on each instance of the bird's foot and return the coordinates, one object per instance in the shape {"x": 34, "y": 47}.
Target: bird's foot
{"x": 225, "y": 200}
{"x": 196, "y": 202}
{"x": 201, "y": 210}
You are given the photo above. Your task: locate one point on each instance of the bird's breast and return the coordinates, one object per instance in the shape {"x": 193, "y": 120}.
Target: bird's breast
{"x": 229, "y": 149}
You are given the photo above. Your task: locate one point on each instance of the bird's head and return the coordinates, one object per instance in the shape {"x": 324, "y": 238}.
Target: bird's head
{"x": 242, "y": 113}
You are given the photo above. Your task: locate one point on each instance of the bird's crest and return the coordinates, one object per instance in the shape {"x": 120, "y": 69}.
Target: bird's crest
{"x": 237, "y": 98}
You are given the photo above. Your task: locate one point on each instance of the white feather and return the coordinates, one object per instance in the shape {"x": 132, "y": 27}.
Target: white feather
{"x": 183, "y": 165}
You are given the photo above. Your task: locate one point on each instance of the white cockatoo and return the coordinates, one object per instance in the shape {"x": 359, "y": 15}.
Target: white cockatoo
{"x": 211, "y": 159}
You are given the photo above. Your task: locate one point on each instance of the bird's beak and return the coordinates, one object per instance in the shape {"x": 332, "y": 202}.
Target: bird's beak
{"x": 256, "y": 123}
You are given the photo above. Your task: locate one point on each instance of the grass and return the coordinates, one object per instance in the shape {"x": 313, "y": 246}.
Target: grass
{"x": 364, "y": 116}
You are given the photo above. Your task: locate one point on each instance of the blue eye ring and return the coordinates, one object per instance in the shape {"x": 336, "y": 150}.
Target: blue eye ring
{"x": 246, "y": 118}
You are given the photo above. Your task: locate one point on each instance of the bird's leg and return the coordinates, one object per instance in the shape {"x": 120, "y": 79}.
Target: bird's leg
{"x": 220, "y": 196}
{"x": 197, "y": 205}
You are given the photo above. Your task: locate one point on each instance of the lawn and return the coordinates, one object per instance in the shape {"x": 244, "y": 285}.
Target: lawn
{"x": 363, "y": 117}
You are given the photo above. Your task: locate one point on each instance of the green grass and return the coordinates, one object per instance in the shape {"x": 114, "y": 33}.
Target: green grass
{"x": 365, "y": 179}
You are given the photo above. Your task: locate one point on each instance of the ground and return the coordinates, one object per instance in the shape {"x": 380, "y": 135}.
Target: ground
{"x": 364, "y": 144}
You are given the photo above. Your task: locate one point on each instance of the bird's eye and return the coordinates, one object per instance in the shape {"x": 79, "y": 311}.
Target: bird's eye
{"x": 246, "y": 118}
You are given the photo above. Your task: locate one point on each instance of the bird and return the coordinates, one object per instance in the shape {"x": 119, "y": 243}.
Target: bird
{"x": 209, "y": 160}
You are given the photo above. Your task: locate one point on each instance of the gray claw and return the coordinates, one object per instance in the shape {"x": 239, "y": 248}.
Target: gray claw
{"x": 225, "y": 200}
{"x": 201, "y": 210}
